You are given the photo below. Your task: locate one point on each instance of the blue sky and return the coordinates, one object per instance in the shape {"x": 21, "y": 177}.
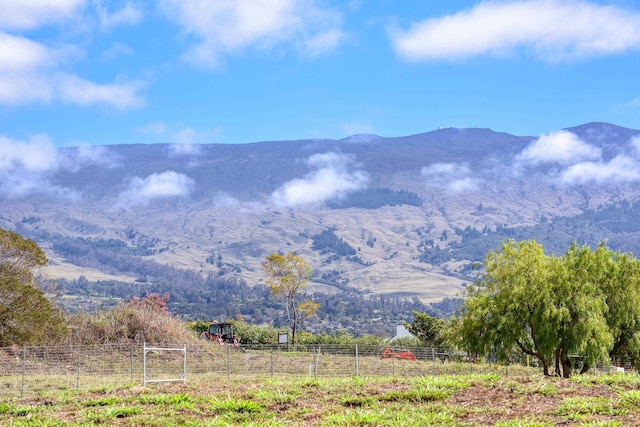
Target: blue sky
{"x": 93, "y": 72}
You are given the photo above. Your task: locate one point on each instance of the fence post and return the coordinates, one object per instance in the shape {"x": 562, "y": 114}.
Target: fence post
{"x": 433, "y": 355}
{"x": 131, "y": 362}
{"x": 144, "y": 364}
{"x": 393, "y": 362}
{"x": 357, "y": 367}
{"x": 228, "y": 363}
{"x": 315, "y": 362}
{"x": 24, "y": 368}
{"x": 271, "y": 362}
{"x": 78, "y": 373}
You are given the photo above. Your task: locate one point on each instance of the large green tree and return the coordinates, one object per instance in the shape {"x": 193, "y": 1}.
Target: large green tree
{"x": 26, "y": 315}
{"x": 544, "y": 306}
{"x": 288, "y": 275}
{"x": 618, "y": 278}
{"x": 428, "y": 329}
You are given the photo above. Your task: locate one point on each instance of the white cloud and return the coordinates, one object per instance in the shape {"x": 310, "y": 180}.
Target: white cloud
{"x": 129, "y": 14}
{"x": 28, "y": 167}
{"x": 31, "y": 72}
{"x": 324, "y": 42}
{"x": 18, "y": 54}
{"x": 141, "y": 191}
{"x": 23, "y": 88}
{"x": 28, "y": 77}
{"x": 28, "y": 14}
{"x": 76, "y": 90}
{"x": 454, "y": 177}
{"x": 28, "y": 74}
{"x": 221, "y": 27}
{"x": 96, "y": 155}
{"x": 330, "y": 179}
{"x": 552, "y": 30}
{"x": 620, "y": 169}
{"x": 225, "y": 200}
{"x": 561, "y": 147}
{"x": 37, "y": 155}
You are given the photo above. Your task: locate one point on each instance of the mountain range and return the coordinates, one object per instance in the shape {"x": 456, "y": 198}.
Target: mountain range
{"x": 399, "y": 216}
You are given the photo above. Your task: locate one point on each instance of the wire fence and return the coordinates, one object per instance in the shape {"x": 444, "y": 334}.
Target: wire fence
{"x": 26, "y": 371}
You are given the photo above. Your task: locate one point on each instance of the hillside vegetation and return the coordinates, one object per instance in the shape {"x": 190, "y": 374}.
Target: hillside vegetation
{"x": 379, "y": 219}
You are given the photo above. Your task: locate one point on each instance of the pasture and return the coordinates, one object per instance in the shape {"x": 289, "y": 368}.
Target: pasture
{"x": 323, "y": 389}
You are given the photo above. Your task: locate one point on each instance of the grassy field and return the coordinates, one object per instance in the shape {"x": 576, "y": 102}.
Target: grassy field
{"x": 474, "y": 399}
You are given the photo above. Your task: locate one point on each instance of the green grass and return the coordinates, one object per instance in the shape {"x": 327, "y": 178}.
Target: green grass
{"x": 467, "y": 399}
{"x": 576, "y": 407}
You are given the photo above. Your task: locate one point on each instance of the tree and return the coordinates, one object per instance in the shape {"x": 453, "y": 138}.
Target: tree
{"x": 26, "y": 315}
{"x": 427, "y": 328}
{"x": 618, "y": 278}
{"x": 288, "y": 275}
{"x": 543, "y": 306}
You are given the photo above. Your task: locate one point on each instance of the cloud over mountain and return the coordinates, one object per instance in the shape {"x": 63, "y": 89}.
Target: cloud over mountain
{"x": 141, "y": 191}
{"x": 621, "y": 169}
{"x": 331, "y": 178}
{"x": 580, "y": 162}
{"x": 28, "y": 167}
{"x": 561, "y": 147}
{"x": 453, "y": 177}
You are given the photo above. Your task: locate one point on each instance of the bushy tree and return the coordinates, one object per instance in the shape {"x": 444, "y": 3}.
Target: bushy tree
{"x": 26, "y": 315}
{"x": 428, "y": 329}
{"x": 288, "y": 275}
{"x": 544, "y": 306}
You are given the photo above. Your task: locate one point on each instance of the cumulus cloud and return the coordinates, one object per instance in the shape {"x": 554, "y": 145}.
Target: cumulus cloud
{"x": 83, "y": 92}
{"x": 29, "y": 73}
{"x": 554, "y": 30}
{"x": 29, "y": 14}
{"x": 129, "y": 14}
{"x": 621, "y": 169}
{"x": 222, "y": 27}
{"x": 331, "y": 178}
{"x": 34, "y": 72}
{"x": 21, "y": 54}
{"x": 561, "y": 147}
{"x": 142, "y": 191}
{"x": 36, "y": 155}
{"x": 579, "y": 163}
{"x": 454, "y": 177}
{"x": 28, "y": 167}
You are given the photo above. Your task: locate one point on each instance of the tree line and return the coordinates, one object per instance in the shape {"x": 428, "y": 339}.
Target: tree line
{"x": 568, "y": 312}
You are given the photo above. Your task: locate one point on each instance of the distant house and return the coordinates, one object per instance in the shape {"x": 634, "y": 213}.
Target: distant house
{"x": 402, "y": 332}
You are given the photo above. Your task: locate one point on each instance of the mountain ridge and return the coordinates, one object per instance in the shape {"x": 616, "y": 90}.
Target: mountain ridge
{"x": 221, "y": 208}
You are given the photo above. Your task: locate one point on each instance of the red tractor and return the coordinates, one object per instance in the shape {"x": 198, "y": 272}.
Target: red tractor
{"x": 221, "y": 333}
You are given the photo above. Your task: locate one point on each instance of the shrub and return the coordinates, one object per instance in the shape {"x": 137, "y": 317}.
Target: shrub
{"x": 139, "y": 320}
